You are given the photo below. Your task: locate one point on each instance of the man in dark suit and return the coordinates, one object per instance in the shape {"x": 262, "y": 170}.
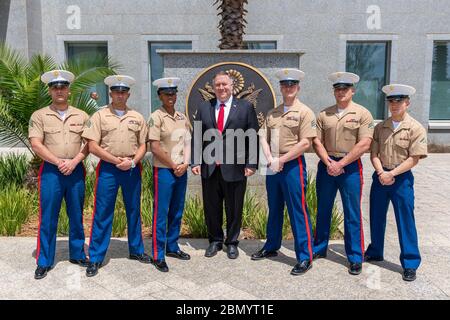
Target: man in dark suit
{"x": 225, "y": 153}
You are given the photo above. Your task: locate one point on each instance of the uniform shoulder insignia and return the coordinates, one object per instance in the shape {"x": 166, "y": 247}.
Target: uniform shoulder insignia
{"x": 314, "y": 124}
{"x": 372, "y": 125}
{"x": 30, "y": 123}
{"x": 424, "y": 140}
{"x": 151, "y": 122}
{"x": 88, "y": 123}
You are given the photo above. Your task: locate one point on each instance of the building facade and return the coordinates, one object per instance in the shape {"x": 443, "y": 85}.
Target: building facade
{"x": 406, "y": 41}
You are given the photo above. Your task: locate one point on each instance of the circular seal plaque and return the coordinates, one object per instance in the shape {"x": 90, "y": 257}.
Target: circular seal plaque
{"x": 248, "y": 83}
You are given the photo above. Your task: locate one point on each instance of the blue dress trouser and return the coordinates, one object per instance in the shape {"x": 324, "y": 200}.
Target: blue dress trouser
{"x": 349, "y": 184}
{"x": 289, "y": 187}
{"x": 401, "y": 194}
{"x": 109, "y": 179}
{"x": 168, "y": 206}
{"x": 53, "y": 188}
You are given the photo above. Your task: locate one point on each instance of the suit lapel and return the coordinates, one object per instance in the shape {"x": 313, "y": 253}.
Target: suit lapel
{"x": 212, "y": 111}
{"x": 232, "y": 114}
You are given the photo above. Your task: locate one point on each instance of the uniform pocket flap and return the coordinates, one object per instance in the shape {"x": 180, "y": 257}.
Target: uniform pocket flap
{"x": 133, "y": 126}
{"x": 48, "y": 129}
{"x": 352, "y": 125}
{"x": 109, "y": 128}
{"x": 76, "y": 129}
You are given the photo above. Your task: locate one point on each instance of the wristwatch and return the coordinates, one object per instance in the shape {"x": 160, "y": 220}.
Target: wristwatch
{"x": 133, "y": 165}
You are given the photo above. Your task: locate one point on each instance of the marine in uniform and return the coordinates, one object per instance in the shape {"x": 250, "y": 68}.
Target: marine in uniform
{"x": 117, "y": 135}
{"x": 286, "y": 134}
{"x": 398, "y": 144}
{"x": 169, "y": 139}
{"x": 344, "y": 134}
{"x": 55, "y": 136}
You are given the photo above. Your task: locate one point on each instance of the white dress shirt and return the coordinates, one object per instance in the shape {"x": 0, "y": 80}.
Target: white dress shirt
{"x": 227, "y": 109}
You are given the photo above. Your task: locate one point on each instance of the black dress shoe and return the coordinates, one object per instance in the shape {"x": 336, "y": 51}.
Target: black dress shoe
{"x": 355, "y": 268}
{"x": 368, "y": 258}
{"x": 161, "y": 266}
{"x": 41, "y": 272}
{"x": 179, "y": 255}
{"x": 92, "y": 268}
{"x": 143, "y": 258}
{"x": 80, "y": 262}
{"x": 318, "y": 256}
{"x": 409, "y": 274}
{"x": 212, "y": 249}
{"x": 262, "y": 254}
{"x": 232, "y": 251}
{"x": 301, "y": 268}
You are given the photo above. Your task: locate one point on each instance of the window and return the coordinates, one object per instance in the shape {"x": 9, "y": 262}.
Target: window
{"x": 157, "y": 67}
{"x": 260, "y": 45}
{"x": 440, "y": 82}
{"x": 370, "y": 60}
{"x": 82, "y": 49}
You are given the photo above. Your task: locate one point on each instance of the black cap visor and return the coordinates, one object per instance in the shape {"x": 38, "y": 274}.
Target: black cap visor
{"x": 168, "y": 91}
{"x": 342, "y": 85}
{"x": 289, "y": 83}
{"x": 397, "y": 98}
{"x": 119, "y": 88}
{"x": 58, "y": 84}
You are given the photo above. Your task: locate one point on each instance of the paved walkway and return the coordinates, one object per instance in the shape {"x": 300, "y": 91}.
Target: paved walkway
{"x": 221, "y": 278}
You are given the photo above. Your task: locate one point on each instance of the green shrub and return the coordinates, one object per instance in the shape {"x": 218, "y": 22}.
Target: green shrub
{"x": 286, "y": 224}
{"x": 13, "y": 168}
{"x": 63, "y": 221}
{"x": 251, "y": 207}
{"x": 258, "y": 223}
{"x": 147, "y": 208}
{"x": 147, "y": 176}
{"x": 119, "y": 228}
{"x": 336, "y": 216}
{"x": 194, "y": 217}
{"x": 16, "y": 205}
{"x": 89, "y": 184}
{"x": 147, "y": 193}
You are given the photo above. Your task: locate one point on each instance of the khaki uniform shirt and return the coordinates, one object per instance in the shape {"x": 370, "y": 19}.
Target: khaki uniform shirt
{"x": 395, "y": 146}
{"x": 339, "y": 134}
{"x": 120, "y": 136}
{"x": 172, "y": 132}
{"x": 283, "y": 130}
{"x": 62, "y": 138}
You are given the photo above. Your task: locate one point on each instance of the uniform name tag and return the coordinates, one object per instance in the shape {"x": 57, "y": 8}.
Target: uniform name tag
{"x": 133, "y": 122}
{"x": 179, "y": 117}
{"x": 293, "y": 118}
{"x": 352, "y": 120}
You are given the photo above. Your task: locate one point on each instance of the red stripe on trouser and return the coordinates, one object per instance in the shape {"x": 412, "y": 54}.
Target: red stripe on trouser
{"x": 38, "y": 249}
{"x": 304, "y": 209}
{"x": 97, "y": 173}
{"x": 155, "y": 212}
{"x": 361, "y": 179}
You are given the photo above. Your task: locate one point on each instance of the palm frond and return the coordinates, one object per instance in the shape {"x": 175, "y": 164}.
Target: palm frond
{"x": 89, "y": 70}
{"x": 84, "y": 102}
{"x": 11, "y": 70}
{"x": 38, "y": 65}
{"x": 22, "y": 91}
{"x": 12, "y": 130}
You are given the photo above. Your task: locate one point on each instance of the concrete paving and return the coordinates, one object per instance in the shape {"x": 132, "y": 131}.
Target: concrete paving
{"x": 221, "y": 278}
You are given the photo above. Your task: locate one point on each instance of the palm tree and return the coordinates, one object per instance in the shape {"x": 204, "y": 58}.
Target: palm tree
{"x": 22, "y": 91}
{"x": 232, "y": 23}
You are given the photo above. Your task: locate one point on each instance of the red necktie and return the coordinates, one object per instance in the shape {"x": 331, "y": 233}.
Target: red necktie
{"x": 221, "y": 117}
